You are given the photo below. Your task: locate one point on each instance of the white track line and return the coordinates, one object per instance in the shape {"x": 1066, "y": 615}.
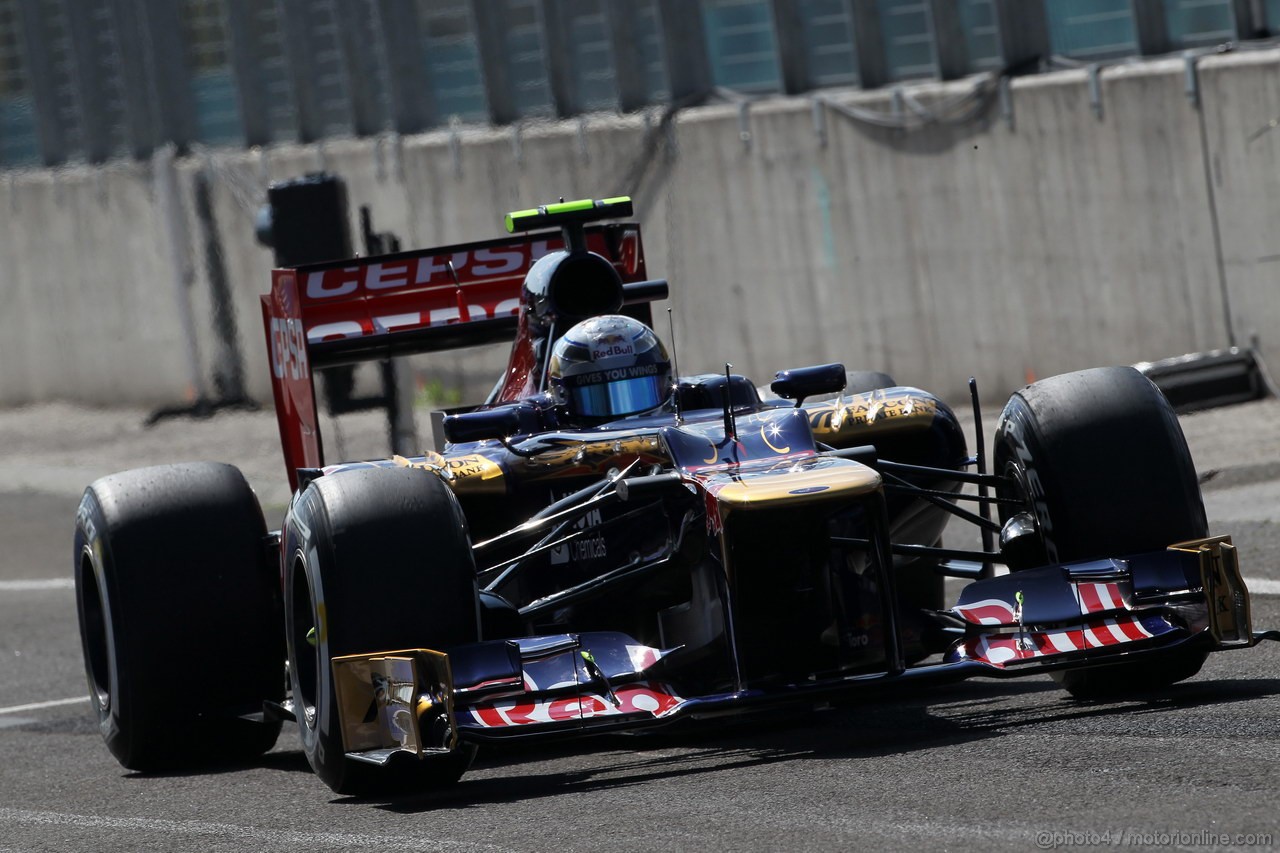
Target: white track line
{"x": 255, "y": 836}
{"x": 36, "y": 706}
{"x": 37, "y": 585}
{"x": 1262, "y": 586}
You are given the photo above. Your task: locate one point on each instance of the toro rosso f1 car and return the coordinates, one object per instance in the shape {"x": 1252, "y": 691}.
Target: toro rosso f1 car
{"x": 605, "y": 544}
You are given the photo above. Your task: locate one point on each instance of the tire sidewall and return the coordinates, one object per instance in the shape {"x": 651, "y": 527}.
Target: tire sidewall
{"x": 1018, "y": 451}
{"x": 92, "y": 553}
{"x": 320, "y": 734}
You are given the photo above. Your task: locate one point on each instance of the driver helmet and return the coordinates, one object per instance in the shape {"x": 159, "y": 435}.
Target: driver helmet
{"x": 608, "y": 367}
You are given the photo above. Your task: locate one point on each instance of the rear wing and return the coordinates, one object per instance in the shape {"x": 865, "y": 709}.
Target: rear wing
{"x": 346, "y": 312}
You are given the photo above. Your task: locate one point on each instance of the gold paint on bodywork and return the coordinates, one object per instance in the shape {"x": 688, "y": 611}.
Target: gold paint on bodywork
{"x": 579, "y": 458}
{"x": 765, "y": 430}
{"x": 1226, "y": 596}
{"x": 812, "y": 479}
{"x": 847, "y": 421}
{"x": 472, "y": 474}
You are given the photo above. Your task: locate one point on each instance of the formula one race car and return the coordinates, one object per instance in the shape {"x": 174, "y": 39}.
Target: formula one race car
{"x": 607, "y": 545}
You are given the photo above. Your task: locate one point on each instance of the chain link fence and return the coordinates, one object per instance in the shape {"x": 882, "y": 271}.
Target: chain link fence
{"x": 92, "y": 80}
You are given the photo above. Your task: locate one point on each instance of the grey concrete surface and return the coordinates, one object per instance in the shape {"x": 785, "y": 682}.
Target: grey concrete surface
{"x": 1058, "y": 240}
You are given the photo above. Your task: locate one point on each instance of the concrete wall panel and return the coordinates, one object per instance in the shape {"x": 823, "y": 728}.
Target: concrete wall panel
{"x": 1241, "y": 96}
{"x": 89, "y": 296}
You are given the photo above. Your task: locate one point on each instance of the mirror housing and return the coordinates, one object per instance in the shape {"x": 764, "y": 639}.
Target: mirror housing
{"x": 802, "y": 382}
{"x": 487, "y": 423}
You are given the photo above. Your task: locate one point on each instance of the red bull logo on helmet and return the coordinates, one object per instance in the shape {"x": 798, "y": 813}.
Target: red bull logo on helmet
{"x": 602, "y": 350}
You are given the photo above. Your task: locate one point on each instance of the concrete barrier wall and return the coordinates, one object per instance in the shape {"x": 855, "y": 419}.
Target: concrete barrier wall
{"x": 1241, "y": 95}
{"x": 1003, "y": 250}
{"x": 89, "y": 311}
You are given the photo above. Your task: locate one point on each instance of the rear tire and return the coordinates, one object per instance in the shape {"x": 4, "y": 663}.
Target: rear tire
{"x": 377, "y": 559}
{"x": 1100, "y": 459}
{"x": 179, "y": 615}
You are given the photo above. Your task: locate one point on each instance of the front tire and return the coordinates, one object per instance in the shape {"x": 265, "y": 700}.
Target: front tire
{"x": 376, "y": 560}
{"x": 179, "y": 615}
{"x": 1099, "y": 458}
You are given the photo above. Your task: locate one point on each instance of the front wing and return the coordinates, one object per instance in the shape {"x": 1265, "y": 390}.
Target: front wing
{"x": 424, "y": 702}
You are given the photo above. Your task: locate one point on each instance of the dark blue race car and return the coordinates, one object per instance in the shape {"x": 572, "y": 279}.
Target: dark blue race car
{"x": 607, "y": 544}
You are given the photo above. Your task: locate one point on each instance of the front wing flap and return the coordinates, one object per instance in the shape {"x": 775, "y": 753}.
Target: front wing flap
{"x": 1083, "y": 612}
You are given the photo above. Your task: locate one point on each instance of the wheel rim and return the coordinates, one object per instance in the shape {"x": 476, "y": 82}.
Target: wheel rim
{"x": 93, "y": 618}
{"x": 306, "y": 651}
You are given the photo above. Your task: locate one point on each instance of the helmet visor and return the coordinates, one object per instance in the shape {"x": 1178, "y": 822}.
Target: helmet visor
{"x": 623, "y": 397}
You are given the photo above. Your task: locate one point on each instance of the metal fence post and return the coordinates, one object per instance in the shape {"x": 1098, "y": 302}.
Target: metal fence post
{"x": 684, "y": 50}
{"x": 1150, "y": 26}
{"x": 358, "y": 37}
{"x": 1250, "y": 19}
{"x": 408, "y": 89}
{"x": 868, "y": 43}
{"x": 246, "y": 59}
{"x": 50, "y": 133}
{"x": 948, "y": 39}
{"x": 90, "y": 91}
{"x": 628, "y": 64}
{"x": 793, "y": 58}
{"x": 486, "y": 18}
{"x": 297, "y": 53}
{"x": 557, "y": 53}
{"x": 1023, "y": 29}
{"x": 165, "y": 50}
{"x": 136, "y": 80}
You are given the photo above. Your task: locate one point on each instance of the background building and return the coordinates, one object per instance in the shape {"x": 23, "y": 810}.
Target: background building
{"x": 94, "y": 80}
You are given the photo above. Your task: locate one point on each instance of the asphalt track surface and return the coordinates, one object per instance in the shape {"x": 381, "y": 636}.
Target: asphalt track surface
{"x": 992, "y": 765}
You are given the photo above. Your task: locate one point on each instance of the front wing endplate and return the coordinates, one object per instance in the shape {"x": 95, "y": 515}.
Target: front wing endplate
{"x": 1226, "y": 596}
{"x": 399, "y": 701}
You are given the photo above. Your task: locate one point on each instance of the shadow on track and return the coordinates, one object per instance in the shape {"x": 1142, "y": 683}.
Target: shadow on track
{"x": 971, "y": 712}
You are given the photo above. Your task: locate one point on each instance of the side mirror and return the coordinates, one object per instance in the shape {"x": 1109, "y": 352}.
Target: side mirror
{"x": 804, "y": 382}
{"x": 478, "y": 426}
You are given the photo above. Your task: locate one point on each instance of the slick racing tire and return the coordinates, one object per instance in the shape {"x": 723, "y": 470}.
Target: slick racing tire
{"x": 179, "y": 615}
{"x": 376, "y": 559}
{"x": 1098, "y": 457}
